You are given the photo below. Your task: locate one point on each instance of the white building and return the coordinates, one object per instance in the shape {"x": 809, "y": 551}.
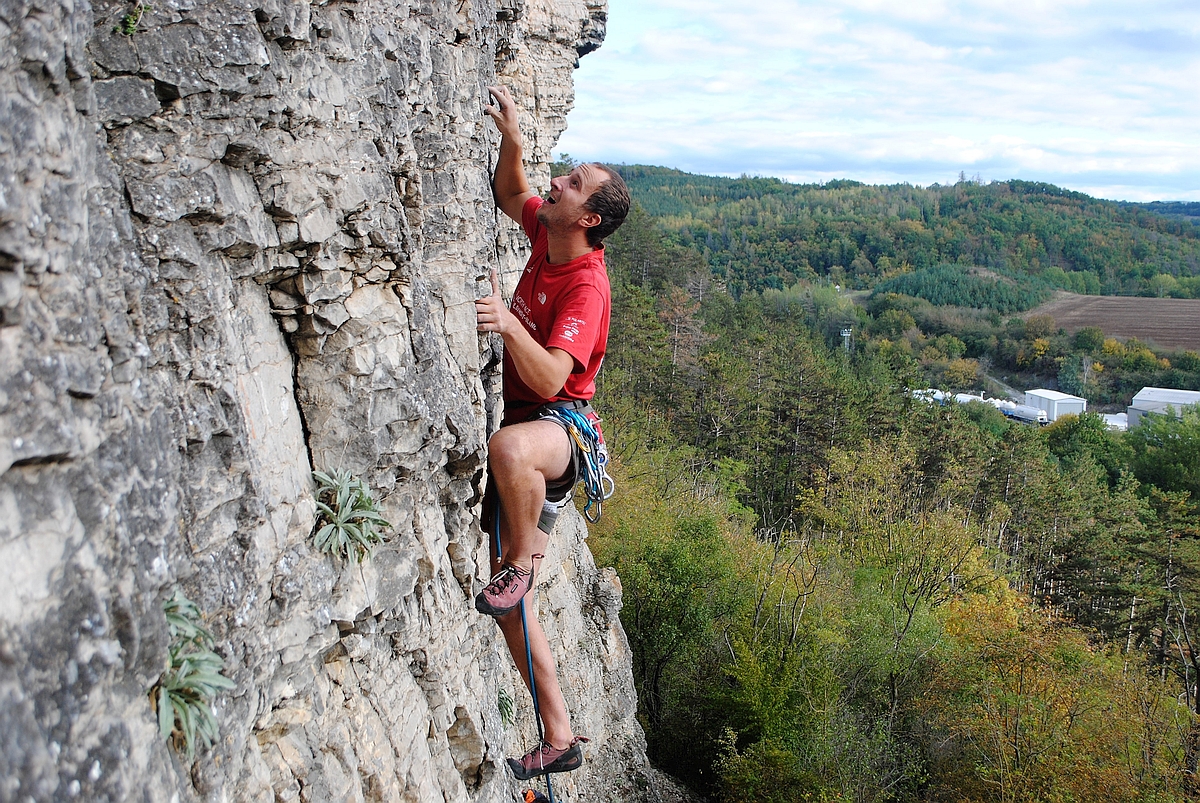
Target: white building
{"x": 1054, "y": 403}
{"x": 1157, "y": 400}
{"x": 932, "y": 395}
{"x": 1118, "y": 422}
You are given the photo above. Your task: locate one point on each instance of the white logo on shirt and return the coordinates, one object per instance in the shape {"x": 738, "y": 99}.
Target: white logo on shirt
{"x": 522, "y": 311}
{"x": 541, "y": 298}
{"x": 571, "y": 327}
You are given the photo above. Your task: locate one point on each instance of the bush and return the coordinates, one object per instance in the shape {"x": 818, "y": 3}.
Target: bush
{"x": 893, "y": 323}
{"x": 766, "y": 772}
{"x": 349, "y": 522}
{"x": 1089, "y": 339}
{"x": 184, "y": 693}
{"x": 1188, "y": 361}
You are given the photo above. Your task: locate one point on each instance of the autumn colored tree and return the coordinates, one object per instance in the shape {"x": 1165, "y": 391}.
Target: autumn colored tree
{"x": 836, "y": 591}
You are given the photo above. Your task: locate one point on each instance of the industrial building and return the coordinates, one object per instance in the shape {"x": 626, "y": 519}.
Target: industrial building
{"x": 1118, "y": 422}
{"x": 1159, "y": 400}
{"x": 1055, "y": 404}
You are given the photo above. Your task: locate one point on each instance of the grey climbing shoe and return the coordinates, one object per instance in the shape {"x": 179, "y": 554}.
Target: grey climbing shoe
{"x": 545, "y": 759}
{"x": 505, "y": 590}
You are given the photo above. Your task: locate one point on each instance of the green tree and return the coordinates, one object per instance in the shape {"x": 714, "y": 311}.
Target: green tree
{"x": 561, "y": 166}
{"x": 1089, "y": 339}
{"x": 1075, "y": 439}
{"x": 1162, "y": 285}
{"x": 1166, "y": 451}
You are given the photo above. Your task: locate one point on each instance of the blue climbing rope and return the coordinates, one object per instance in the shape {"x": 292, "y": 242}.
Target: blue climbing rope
{"x": 594, "y": 470}
{"x": 537, "y": 711}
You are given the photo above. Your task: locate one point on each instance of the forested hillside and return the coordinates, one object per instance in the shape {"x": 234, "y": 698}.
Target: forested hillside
{"x": 837, "y": 593}
{"x": 761, "y": 232}
{"x": 1187, "y": 210}
{"x": 948, "y": 271}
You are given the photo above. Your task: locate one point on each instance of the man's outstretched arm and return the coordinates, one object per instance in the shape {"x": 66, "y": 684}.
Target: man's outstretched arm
{"x": 510, "y": 185}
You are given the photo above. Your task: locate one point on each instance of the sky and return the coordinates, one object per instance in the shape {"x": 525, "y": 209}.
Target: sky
{"x": 1100, "y": 96}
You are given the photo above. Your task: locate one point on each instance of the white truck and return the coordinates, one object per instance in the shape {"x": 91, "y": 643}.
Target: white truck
{"x": 1026, "y": 414}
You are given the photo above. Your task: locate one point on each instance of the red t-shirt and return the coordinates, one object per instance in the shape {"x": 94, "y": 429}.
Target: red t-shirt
{"x": 561, "y": 306}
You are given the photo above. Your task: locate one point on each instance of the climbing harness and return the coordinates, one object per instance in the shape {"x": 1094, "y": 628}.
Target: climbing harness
{"x": 537, "y": 710}
{"x": 593, "y": 471}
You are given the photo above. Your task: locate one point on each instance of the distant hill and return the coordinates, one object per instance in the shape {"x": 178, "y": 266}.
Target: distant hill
{"x": 1182, "y": 210}
{"x": 763, "y": 232}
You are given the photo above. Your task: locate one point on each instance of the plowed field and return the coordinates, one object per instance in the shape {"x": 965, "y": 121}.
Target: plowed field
{"x": 1172, "y": 323}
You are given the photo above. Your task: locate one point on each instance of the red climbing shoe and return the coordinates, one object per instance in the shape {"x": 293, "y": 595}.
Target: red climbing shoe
{"x": 505, "y": 590}
{"x": 545, "y": 759}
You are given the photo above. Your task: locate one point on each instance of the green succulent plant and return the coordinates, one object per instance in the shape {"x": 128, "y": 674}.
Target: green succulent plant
{"x": 183, "y": 696}
{"x": 128, "y": 24}
{"x": 504, "y": 702}
{"x": 349, "y": 521}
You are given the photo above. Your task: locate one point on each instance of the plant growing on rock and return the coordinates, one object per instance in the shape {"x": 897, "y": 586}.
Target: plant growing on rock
{"x": 183, "y": 696}
{"x": 349, "y": 520}
{"x": 129, "y": 22}
{"x": 506, "y": 706}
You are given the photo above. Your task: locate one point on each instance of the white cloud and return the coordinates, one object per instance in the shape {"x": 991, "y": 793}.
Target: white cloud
{"x": 1056, "y": 91}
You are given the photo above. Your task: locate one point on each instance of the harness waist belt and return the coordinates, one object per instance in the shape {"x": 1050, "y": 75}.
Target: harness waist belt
{"x": 578, "y": 405}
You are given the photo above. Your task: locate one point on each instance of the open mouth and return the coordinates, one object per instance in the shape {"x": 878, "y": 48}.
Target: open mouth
{"x": 550, "y": 199}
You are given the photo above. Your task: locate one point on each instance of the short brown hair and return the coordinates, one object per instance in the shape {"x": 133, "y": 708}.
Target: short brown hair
{"x": 611, "y": 202}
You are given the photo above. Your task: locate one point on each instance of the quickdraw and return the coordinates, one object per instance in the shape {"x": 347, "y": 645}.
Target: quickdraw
{"x": 597, "y": 485}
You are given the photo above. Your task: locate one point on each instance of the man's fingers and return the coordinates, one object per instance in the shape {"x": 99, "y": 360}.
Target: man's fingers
{"x": 498, "y": 109}
{"x": 490, "y": 310}
{"x": 488, "y": 323}
{"x": 504, "y": 100}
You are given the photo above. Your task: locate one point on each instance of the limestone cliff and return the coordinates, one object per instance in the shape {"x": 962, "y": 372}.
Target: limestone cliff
{"x": 237, "y": 244}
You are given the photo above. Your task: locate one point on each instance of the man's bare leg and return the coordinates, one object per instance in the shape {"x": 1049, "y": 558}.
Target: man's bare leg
{"x": 521, "y": 458}
{"x": 550, "y": 700}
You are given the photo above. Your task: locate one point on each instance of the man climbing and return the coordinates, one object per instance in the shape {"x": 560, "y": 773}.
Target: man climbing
{"x": 554, "y": 336}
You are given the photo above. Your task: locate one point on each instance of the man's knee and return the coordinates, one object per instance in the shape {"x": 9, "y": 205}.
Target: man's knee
{"x": 539, "y": 446}
{"x": 508, "y": 450}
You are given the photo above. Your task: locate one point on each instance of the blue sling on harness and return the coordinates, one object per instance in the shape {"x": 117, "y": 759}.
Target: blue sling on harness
{"x": 593, "y": 469}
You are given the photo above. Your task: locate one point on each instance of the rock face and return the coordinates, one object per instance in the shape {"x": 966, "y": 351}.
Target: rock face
{"x": 237, "y": 244}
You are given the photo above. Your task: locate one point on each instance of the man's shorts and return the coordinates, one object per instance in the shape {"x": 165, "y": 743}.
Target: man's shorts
{"x": 559, "y": 491}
